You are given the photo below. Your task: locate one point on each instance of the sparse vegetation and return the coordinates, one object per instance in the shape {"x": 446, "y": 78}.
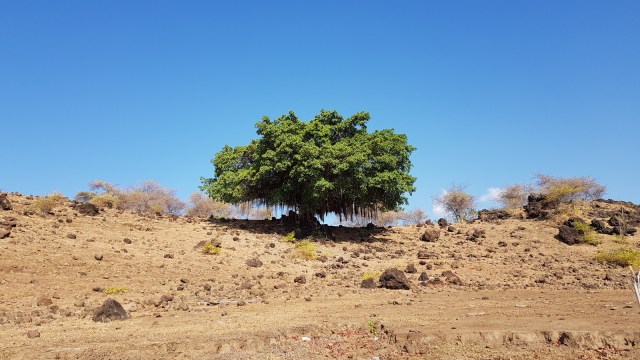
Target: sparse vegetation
{"x": 290, "y": 237}
{"x": 306, "y": 250}
{"x": 621, "y": 255}
{"x": 514, "y": 196}
{"x": 148, "y": 197}
{"x": 84, "y": 196}
{"x": 371, "y": 275}
{"x": 588, "y": 233}
{"x": 457, "y": 203}
{"x": 44, "y": 205}
{"x": 566, "y": 190}
{"x": 115, "y": 290}
{"x": 373, "y": 328}
{"x": 211, "y": 249}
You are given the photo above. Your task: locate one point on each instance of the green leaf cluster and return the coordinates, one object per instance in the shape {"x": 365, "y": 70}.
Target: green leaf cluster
{"x": 327, "y": 165}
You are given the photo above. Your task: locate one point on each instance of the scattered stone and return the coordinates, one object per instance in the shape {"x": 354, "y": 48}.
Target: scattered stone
{"x": 31, "y": 334}
{"x": 71, "y": 236}
{"x": 430, "y": 235}
{"x": 423, "y": 277}
{"x": 492, "y": 215}
{"x": 442, "y": 222}
{"x": 4, "y": 202}
{"x": 241, "y": 303}
{"x": 394, "y": 279}
{"x": 44, "y": 301}
{"x": 452, "y": 278}
{"x": 538, "y": 207}
{"x": 321, "y": 274}
{"x": 411, "y": 269}
{"x": 127, "y": 241}
{"x": 98, "y": 257}
{"x": 109, "y": 311}
{"x": 368, "y": 283}
{"x": 300, "y": 279}
{"x": 87, "y": 209}
{"x": 184, "y": 280}
{"x": 4, "y": 233}
{"x": 168, "y": 256}
{"x": 254, "y": 262}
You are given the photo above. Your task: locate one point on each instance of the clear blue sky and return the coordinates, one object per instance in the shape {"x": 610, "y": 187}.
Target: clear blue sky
{"x": 489, "y": 92}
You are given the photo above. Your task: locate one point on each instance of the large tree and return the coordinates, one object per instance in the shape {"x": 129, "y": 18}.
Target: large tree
{"x": 327, "y": 165}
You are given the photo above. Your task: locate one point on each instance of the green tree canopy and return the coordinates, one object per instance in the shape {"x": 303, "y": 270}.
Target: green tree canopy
{"x": 327, "y": 165}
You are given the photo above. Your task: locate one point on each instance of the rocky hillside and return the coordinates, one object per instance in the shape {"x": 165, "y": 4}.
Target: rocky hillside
{"x": 59, "y": 266}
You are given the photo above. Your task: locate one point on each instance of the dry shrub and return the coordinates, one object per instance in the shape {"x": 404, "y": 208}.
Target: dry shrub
{"x": 44, "y": 205}
{"x": 106, "y": 200}
{"x": 457, "y": 203}
{"x": 514, "y": 196}
{"x": 84, "y": 196}
{"x": 204, "y": 206}
{"x": 566, "y": 190}
{"x": 148, "y": 197}
{"x": 620, "y": 255}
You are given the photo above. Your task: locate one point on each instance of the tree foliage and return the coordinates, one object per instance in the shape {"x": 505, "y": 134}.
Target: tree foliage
{"x": 327, "y": 165}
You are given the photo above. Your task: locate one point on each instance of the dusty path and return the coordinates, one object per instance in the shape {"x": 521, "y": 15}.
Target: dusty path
{"x": 522, "y": 323}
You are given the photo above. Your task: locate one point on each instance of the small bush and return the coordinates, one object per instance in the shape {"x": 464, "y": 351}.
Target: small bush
{"x": 44, "y": 205}
{"x": 84, "y": 196}
{"x": 115, "y": 290}
{"x": 457, "y": 203}
{"x": 290, "y": 237}
{"x": 589, "y": 233}
{"x": 566, "y": 190}
{"x": 210, "y": 249}
{"x": 148, "y": 197}
{"x": 621, "y": 256}
{"x": 307, "y": 250}
{"x": 106, "y": 201}
{"x": 514, "y": 196}
{"x": 371, "y": 275}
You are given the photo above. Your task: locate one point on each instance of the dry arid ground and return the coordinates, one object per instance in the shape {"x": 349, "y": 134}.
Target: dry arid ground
{"x": 522, "y": 293}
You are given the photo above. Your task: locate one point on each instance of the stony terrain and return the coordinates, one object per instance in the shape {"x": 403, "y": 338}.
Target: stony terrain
{"x": 492, "y": 289}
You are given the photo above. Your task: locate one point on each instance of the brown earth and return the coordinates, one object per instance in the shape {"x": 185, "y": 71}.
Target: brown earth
{"x": 523, "y": 293}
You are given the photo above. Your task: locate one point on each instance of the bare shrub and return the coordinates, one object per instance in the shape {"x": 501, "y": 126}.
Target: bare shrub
{"x": 45, "y": 205}
{"x": 457, "y": 203}
{"x": 566, "y": 190}
{"x": 204, "y": 206}
{"x": 514, "y": 196}
{"x": 149, "y": 196}
{"x": 413, "y": 217}
{"x": 253, "y": 211}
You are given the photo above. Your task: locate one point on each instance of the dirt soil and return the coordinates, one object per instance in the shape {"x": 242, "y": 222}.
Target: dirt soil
{"x": 516, "y": 291}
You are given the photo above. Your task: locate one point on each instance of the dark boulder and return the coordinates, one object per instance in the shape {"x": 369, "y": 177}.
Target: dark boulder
{"x": 443, "y": 222}
{"x": 452, "y": 278}
{"x": 411, "y": 269}
{"x": 109, "y": 311}
{"x": 569, "y": 235}
{"x": 368, "y": 283}
{"x": 492, "y": 215}
{"x": 87, "y": 209}
{"x": 4, "y": 202}
{"x": 601, "y": 227}
{"x": 254, "y": 262}
{"x": 394, "y": 279}
{"x": 430, "y": 235}
{"x": 538, "y": 207}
